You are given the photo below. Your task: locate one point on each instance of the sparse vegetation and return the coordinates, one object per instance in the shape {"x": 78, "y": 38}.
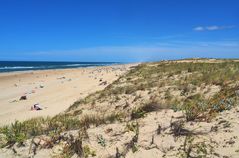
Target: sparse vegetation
{"x": 134, "y": 127}
{"x": 18, "y": 132}
{"x": 191, "y": 148}
{"x": 199, "y": 90}
{"x": 14, "y": 134}
{"x": 146, "y": 108}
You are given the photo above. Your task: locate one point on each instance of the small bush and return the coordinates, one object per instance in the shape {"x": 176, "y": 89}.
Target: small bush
{"x": 130, "y": 90}
{"x": 191, "y": 148}
{"x": 194, "y": 107}
{"x": 133, "y": 127}
{"x": 15, "y": 133}
{"x": 137, "y": 113}
{"x": 88, "y": 152}
{"x": 146, "y": 108}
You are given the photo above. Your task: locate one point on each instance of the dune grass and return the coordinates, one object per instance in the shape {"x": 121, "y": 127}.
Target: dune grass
{"x": 151, "y": 77}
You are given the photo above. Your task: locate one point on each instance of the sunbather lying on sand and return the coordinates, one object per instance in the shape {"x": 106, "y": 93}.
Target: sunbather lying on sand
{"x": 36, "y": 107}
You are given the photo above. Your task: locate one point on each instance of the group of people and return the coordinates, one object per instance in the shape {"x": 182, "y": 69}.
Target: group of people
{"x": 34, "y": 107}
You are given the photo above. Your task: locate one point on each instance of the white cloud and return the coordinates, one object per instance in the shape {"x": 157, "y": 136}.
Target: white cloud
{"x": 173, "y": 46}
{"x": 199, "y": 28}
{"x": 212, "y": 28}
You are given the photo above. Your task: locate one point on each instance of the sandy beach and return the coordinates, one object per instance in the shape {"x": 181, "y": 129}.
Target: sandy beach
{"x": 163, "y": 109}
{"x": 53, "y": 90}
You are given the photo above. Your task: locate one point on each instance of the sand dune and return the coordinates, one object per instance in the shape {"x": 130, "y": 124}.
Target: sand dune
{"x": 165, "y": 109}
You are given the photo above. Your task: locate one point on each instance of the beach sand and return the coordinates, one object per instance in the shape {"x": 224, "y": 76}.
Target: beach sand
{"x": 122, "y": 123}
{"x": 53, "y": 90}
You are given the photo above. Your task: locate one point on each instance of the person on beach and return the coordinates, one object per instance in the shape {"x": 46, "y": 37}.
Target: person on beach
{"x": 36, "y": 107}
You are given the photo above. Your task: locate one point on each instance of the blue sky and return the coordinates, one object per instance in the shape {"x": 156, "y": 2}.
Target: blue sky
{"x": 118, "y": 30}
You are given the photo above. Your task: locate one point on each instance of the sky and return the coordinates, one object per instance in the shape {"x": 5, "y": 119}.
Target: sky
{"x": 118, "y": 30}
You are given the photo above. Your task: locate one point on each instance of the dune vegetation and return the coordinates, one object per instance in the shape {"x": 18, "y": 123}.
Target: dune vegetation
{"x": 182, "y": 102}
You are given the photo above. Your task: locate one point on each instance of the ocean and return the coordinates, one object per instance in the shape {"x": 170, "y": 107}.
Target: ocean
{"x": 9, "y": 66}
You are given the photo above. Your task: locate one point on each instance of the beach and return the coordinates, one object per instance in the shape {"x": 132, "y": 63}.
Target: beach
{"x": 53, "y": 90}
{"x": 182, "y": 108}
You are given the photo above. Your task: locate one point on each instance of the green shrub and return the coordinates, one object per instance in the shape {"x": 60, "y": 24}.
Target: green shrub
{"x": 191, "y": 148}
{"x": 15, "y": 133}
{"x": 133, "y": 127}
{"x": 137, "y": 113}
{"x": 88, "y": 152}
{"x": 194, "y": 107}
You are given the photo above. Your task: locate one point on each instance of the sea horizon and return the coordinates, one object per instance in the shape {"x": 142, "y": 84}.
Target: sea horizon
{"x": 12, "y": 66}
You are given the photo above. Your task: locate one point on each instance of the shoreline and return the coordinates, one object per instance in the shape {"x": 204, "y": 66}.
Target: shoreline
{"x": 25, "y": 71}
{"x": 54, "y": 89}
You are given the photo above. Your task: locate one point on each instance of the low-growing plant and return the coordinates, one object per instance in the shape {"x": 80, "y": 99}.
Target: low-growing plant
{"x": 146, "y": 108}
{"x": 133, "y": 126}
{"x": 177, "y": 129}
{"x": 191, "y": 148}
{"x": 153, "y": 105}
{"x": 88, "y": 152}
{"x": 96, "y": 119}
{"x": 194, "y": 108}
{"x": 15, "y": 133}
{"x": 137, "y": 113}
{"x": 132, "y": 145}
{"x": 101, "y": 140}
